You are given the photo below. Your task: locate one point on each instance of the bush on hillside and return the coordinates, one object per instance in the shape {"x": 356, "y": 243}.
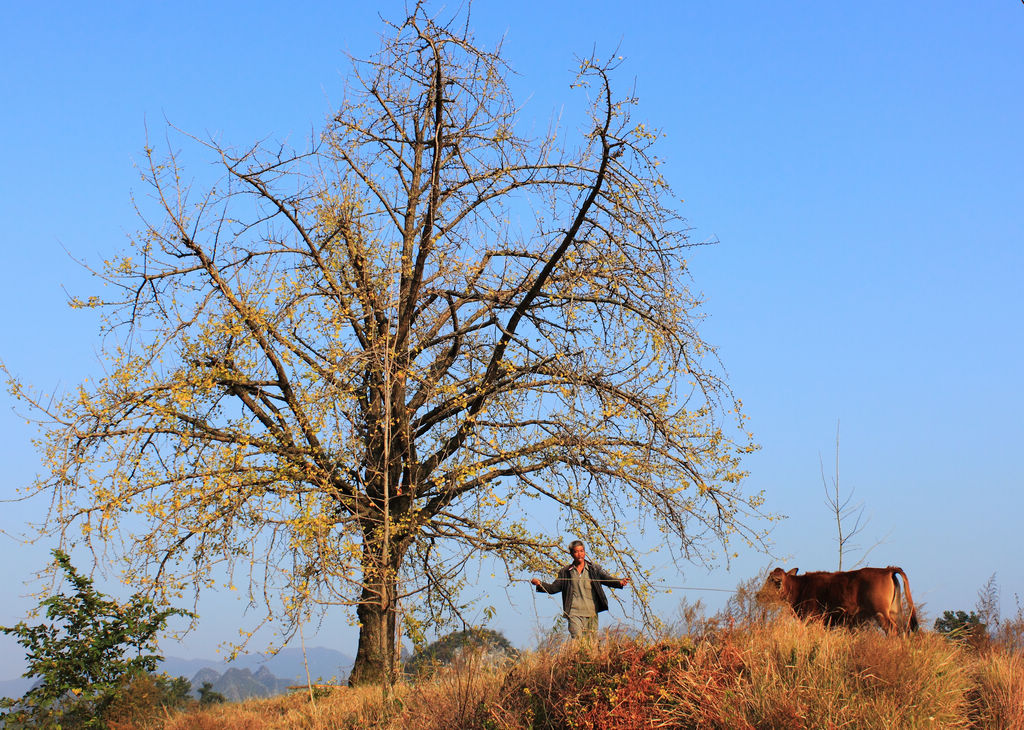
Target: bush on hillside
{"x": 964, "y": 627}
{"x": 147, "y": 697}
{"x": 209, "y": 696}
{"x": 444, "y": 650}
{"x": 86, "y": 652}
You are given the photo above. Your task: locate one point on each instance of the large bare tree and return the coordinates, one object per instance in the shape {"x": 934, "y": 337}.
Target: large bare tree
{"x": 337, "y": 374}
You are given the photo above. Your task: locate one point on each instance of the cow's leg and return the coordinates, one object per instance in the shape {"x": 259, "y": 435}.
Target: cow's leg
{"x": 896, "y": 606}
{"x": 886, "y": 621}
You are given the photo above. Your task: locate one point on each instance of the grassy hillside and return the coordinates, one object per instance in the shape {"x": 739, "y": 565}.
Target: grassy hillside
{"x": 780, "y": 674}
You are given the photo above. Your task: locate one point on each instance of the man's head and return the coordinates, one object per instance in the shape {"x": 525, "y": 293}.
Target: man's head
{"x": 577, "y": 551}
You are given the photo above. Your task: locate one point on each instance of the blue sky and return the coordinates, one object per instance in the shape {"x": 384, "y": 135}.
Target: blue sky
{"x": 860, "y": 165}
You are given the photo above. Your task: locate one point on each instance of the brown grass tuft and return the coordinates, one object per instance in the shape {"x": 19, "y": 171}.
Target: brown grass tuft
{"x": 997, "y": 692}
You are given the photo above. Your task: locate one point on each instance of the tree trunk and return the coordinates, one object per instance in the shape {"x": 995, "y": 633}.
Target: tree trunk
{"x": 376, "y": 656}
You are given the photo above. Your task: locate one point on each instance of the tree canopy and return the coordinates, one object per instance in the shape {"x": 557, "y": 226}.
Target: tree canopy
{"x": 338, "y": 373}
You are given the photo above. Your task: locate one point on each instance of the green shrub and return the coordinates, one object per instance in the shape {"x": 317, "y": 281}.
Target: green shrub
{"x": 208, "y": 696}
{"x": 89, "y": 648}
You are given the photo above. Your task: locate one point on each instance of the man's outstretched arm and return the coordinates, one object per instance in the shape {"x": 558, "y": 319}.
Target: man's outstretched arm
{"x": 608, "y": 579}
{"x": 543, "y": 587}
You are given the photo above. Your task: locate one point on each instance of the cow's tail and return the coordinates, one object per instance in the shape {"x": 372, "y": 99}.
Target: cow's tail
{"x": 912, "y": 624}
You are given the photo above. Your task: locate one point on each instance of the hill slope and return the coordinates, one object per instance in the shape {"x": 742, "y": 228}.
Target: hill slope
{"x": 783, "y": 674}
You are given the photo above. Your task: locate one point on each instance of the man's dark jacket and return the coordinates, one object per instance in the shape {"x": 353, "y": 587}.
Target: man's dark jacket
{"x": 598, "y": 578}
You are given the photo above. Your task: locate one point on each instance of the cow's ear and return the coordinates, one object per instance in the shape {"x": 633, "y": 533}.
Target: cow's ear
{"x": 792, "y": 572}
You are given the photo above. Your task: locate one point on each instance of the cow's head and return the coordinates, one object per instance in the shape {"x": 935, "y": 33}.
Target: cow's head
{"x": 775, "y": 586}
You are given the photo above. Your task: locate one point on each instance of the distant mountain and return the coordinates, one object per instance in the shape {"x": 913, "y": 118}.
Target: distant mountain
{"x": 15, "y": 688}
{"x": 241, "y": 684}
{"x": 178, "y": 667}
{"x": 324, "y": 665}
{"x": 259, "y": 675}
{"x": 202, "y": 676}
{"x": 236, "y": 684}
{"x": 265, "y": 678}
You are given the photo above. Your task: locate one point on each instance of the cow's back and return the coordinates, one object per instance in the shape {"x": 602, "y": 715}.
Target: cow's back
{"x": 824, "y": 593}
{"x": 876, "y": 591}
{"x": 849, "y": 597}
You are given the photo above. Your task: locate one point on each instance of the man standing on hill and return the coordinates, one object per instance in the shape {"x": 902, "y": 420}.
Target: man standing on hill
{"x": 580, "y": 584}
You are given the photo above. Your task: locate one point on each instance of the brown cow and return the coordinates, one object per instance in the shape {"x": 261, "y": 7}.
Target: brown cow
{"x": 848, "y": 598}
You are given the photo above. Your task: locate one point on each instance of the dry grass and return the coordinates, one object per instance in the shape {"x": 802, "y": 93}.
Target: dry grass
{"x": 803, "y": 675}
{"x": 779, "y": 674}
{"x": 997, "y": 691}
{"x": 453, "y": 697}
